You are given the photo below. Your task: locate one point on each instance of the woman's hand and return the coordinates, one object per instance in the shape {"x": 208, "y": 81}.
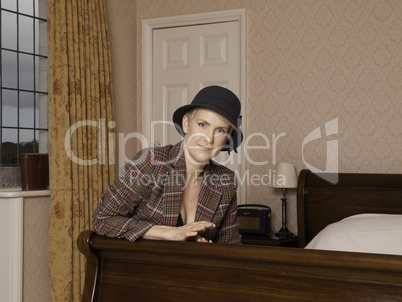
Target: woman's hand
{"x": 181, "y": 233}
{"x": 191, "y": 230}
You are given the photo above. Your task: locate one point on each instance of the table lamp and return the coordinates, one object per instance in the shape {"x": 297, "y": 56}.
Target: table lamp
{"x": 285, "y": 178}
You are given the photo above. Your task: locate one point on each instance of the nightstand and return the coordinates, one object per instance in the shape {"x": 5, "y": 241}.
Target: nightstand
{"x": 270, "y": 241}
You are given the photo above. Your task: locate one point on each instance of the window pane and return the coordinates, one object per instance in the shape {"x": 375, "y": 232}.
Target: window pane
{"x": 43, "y": 141}
{"x": 10, "y": 135}
{"x": 36, "y": 37}
{"x": 42, "y": 12}
{"x": 9, "y": 4}
{"x": 27, "y": 109}
{"x": 9, "y": 147}
{"x": 41, "y": 37}
{"x": 26, "y": 72}
{"x": 36, "y": 7}
{"x": 41, "y": 74}
{"x": 37, "y": 108}
{"x": 26, "y": 32}
{"x": 9, "y": 30}
{"x": 9, "y": 69}
{"x": 42, "y": 112}
{"x": 27, "y": 142}
{"x": 26, "y": 7}
{"x": 9, "y": 112}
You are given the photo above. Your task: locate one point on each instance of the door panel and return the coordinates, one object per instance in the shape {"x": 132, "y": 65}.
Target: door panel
{"x": 186, "y": 59}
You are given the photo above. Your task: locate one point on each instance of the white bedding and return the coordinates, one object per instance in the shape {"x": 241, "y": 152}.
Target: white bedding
{"x": 366, "y": 233}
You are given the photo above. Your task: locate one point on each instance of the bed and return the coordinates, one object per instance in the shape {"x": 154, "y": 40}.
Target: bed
{"x": 147, "y": 270}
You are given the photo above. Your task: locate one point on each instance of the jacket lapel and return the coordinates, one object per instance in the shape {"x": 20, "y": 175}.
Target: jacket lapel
{"x": 208, "y": 200}
{"x": 173, "y": 188}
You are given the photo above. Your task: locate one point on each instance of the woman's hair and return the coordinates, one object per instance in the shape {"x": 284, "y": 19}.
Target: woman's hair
{"x": 191, "y": 113}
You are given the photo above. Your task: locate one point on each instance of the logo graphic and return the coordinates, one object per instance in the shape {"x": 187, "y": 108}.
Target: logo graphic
{"x": 107, "y": 141}
{"x": 331, "y": 169}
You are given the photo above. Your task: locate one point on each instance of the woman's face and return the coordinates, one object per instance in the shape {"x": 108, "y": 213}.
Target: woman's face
{"x": 205, "y": 135}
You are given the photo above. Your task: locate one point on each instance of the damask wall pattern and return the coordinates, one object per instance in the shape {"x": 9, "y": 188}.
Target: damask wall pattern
{"x": 310, "y": 63}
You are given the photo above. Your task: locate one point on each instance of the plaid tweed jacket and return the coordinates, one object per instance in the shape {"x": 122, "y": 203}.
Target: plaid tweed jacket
{"x": 149, "y": 193}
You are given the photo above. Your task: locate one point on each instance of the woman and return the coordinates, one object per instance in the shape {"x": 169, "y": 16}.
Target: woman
{"x": 177, "y": 192}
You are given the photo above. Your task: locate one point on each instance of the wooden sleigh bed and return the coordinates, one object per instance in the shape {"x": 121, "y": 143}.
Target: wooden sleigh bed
{"x": 118, "y": 270}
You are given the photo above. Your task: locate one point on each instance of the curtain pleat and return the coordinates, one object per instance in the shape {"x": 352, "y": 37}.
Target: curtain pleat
{"x": 81, "y": 146}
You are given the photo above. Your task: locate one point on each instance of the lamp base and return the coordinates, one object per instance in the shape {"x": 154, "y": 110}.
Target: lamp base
{"x": 284, "y": 233}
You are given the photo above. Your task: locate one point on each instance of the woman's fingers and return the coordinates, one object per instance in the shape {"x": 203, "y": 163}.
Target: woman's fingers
{"x": 191, "y": 234}
{"x": 191, "y": 230}
{"x": 201, "y": 225}
{"x": 198, "y": 238}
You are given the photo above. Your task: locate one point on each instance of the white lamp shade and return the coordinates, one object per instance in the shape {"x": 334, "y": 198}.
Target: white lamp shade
{"x": 285, "y": 176}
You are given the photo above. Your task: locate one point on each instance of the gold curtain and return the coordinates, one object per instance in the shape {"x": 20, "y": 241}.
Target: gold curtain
{"x": 81, "y": 144}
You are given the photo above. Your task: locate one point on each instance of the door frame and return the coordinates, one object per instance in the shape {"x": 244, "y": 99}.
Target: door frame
{"x": 148, "y": 25}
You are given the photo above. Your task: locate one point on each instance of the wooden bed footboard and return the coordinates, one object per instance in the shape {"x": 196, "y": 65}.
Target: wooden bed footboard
{"x": 148, "y": 270}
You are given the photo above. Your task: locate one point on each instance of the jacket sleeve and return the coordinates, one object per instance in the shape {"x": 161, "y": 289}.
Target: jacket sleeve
{"x": 116, "y": 214}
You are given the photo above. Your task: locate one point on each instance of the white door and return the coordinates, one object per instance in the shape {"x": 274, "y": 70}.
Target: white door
{"x": 186, "y": 59}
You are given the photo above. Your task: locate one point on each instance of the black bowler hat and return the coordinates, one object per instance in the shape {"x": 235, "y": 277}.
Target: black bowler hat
{"x": 222, "y": 101}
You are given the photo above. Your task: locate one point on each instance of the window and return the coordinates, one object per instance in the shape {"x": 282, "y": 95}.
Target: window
{"x": 23, "y": 80}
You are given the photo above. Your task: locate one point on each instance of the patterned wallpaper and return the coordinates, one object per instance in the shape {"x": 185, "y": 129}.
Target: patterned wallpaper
{"x": 310, "y": 64}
